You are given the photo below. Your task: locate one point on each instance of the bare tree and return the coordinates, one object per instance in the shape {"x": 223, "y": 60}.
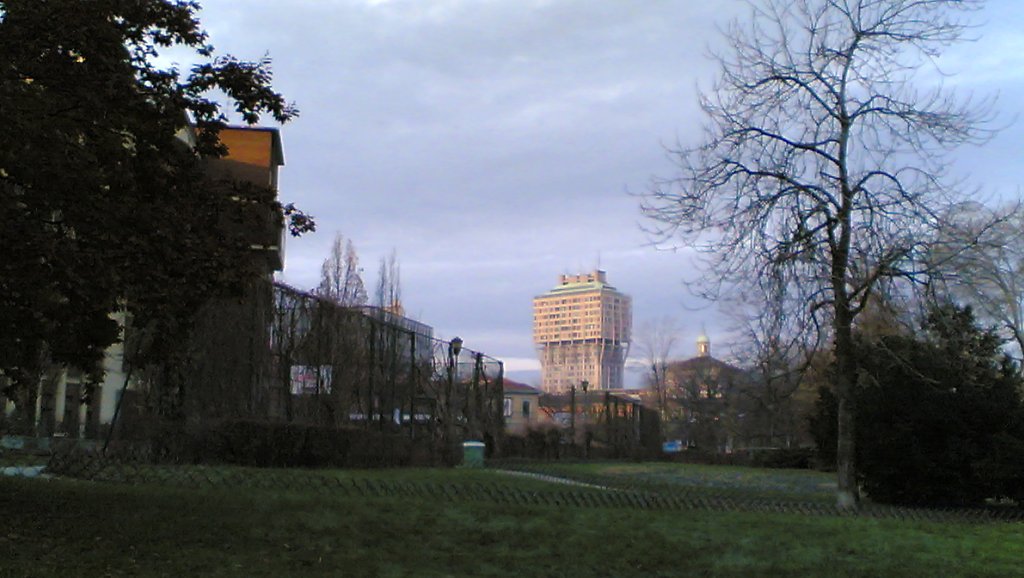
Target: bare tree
{"x": 341, "y": 278}
{"x": 823, "y": 164}
{"x": 985, "y": 267}
{"x": 705, "y": 403}
{"x": 655, "y": 340}
{"x": 775, "y": 346}
{"x": 385, "y": 340}
{"x": 389, "y": 285}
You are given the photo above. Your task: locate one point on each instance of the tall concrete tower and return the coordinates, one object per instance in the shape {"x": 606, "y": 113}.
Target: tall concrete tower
{"x": 582, "y": 332}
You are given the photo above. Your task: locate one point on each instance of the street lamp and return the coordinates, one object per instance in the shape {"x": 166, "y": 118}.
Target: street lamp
{"x": 572, "y": 414}
{"x": 586, "y": 434}
{"x": 454, "y": 348}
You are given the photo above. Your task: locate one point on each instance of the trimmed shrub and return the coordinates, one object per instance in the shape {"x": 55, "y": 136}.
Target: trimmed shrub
{"x": 293, "y": 445}
{"x": 937, "y": 416}
{"x": 542, "y": 442}
{"x": 783, "y": 458}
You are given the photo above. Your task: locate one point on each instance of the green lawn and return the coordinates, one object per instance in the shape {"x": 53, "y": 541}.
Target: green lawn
{"x": 72, "y": 528}
{"x": 22, "y": 460}
{"x": 723, "y": 481}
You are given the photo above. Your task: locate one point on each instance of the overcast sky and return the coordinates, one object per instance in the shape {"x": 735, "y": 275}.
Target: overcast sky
{"x": 493, "y": 143}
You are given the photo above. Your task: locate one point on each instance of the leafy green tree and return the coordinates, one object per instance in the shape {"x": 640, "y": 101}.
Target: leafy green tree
{"x": 938, "y": 414}
{"x": 103, "y": 205}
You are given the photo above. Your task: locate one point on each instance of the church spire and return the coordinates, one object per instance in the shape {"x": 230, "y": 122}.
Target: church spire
{"x": 703, "y": 344}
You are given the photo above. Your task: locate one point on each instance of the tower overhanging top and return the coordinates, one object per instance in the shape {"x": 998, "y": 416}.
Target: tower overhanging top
{"x": 595, "y": 280}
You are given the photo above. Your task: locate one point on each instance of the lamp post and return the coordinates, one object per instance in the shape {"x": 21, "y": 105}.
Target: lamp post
{"x": 454, "y": 348}
{"x": 572, "y": 415}
{"x": 586, "y": 434}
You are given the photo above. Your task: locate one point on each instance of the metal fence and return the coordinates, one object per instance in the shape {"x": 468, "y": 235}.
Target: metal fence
{"x": 565, "y": 490}
{"x": 280, "y": 355}
{"x": 370, "y": 366}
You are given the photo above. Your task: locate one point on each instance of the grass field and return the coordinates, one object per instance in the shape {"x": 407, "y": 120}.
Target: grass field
{"x": 72, "y": 528}
{"x": 802, "y": 485}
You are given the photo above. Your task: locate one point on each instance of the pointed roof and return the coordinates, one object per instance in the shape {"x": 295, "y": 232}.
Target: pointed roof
{"x": 510, "y": 386}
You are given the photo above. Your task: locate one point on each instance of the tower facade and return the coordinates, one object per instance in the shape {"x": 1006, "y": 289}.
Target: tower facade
{"x": 582, "y": 332}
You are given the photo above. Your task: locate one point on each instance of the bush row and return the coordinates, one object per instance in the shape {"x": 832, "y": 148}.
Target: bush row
{"x": 290, "y": 445}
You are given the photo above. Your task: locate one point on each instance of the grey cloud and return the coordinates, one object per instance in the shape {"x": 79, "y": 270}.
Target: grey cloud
{"x": 491, "y": 142}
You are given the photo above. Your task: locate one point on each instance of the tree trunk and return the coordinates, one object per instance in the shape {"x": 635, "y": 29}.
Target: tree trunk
{"x": 847, "y": 495}
{"x": 23, "y": 393}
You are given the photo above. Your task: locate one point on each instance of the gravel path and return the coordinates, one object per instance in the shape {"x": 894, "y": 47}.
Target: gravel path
{"x": 552, "y": 479}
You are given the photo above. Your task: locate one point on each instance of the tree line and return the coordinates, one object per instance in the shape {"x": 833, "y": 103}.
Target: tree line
{"x": 822, "y": 184}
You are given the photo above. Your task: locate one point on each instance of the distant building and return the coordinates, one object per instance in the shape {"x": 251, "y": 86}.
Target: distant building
{"x": 716, "y": 407}
{"x": 603, "y": 423}
{"x": 707, "y": 401}
{"x": 521, "y": 407}
{"x": 254, "y": 156}
{"x": 396, "y": 316}
{"x": 582, "y": 332}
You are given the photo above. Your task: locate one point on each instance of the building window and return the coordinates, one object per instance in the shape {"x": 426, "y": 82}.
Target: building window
{"x": 526, "y": 408}
{"x": 508, "y": 407}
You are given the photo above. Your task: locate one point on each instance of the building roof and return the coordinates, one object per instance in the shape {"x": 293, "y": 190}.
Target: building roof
{"x": 591, "y": 398}
{"x": 582, "y": 283}
{"x": 395, "y": 318}
{"x": 704, "y": 362}
{"x": 587, "y": 287}
{"x": 516, "y": 387}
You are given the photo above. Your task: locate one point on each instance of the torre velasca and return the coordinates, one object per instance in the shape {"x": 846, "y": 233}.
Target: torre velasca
{"x": 582, "y": 332}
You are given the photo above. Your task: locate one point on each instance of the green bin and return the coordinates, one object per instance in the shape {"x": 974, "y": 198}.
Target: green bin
{"x": 472, "y": 454}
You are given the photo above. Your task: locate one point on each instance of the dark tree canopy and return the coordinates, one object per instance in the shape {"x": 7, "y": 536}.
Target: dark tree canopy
{"x": 103, "y": 206}
{"x": 939, "y": 414}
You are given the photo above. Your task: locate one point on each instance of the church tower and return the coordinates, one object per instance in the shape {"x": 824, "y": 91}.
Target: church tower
{"x": 703, "y": 345}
